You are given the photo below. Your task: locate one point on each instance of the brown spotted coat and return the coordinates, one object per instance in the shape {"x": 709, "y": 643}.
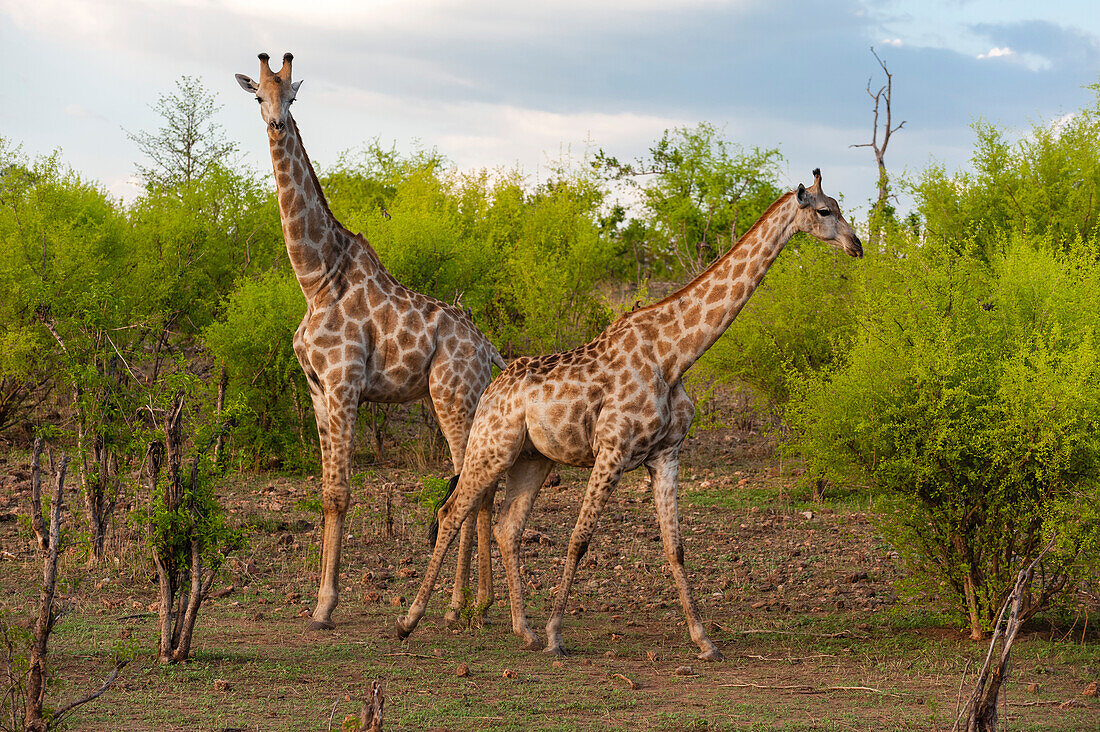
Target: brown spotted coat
{"x": 366, "y": 337}
{"x": 613, "y": 405}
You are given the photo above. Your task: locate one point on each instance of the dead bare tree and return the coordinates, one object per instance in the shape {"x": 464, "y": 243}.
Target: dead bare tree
{"x": 36, "y": 719}
{"x": 883, "y": 98}
{"x": 982, "y": 705}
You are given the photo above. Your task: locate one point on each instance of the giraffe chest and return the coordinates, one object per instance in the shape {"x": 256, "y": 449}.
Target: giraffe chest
{"x": 378, "y": 366}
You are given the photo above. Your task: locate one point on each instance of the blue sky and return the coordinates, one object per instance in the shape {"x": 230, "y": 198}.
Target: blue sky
{"x": 500, "y": 84}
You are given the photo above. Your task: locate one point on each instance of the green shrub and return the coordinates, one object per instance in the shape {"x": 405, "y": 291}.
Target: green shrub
{"x": 971, "y": 397}
{"x": 254, "y": 341}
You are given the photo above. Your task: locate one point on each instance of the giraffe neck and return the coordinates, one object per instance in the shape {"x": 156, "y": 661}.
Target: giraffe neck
{"x": 320, "y": 249}
{"x": 695, "y": 316}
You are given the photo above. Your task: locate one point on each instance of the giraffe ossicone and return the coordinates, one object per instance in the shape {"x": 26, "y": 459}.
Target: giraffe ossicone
{"x": 366, "y": 337}
{"x": 613, "y": 405}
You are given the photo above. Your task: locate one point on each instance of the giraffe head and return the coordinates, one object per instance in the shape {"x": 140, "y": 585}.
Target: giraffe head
{"x": 275, "y": 93}
{"x": 819, "y": 215}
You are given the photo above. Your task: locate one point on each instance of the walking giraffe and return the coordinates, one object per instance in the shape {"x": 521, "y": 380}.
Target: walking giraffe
{"x": 366, "y": 337}
{"x": 613, "y": 405}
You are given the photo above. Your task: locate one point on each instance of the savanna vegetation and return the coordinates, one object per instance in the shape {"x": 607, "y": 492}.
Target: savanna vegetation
{"x": 943, "y": 393}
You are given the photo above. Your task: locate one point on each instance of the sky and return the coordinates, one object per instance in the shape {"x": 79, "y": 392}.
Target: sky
{"x": 511, "y": 84}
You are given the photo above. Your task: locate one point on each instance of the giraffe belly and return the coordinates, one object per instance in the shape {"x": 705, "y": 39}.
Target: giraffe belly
{"x": 569, "y": 443}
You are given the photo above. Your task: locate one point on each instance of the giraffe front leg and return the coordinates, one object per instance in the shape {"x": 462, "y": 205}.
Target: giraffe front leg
{"x": 451, "y": 516}
{"x": 663, "y": 471}
{"x": 604, "y": 478}
{"x": 335, "y": 498}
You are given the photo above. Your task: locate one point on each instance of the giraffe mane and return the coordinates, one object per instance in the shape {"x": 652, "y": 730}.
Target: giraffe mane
{"x": 316, "y": 183}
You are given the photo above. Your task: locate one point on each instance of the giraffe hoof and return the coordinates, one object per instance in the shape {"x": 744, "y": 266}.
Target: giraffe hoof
{"x": 535, "y": 644}
{"x": 711, "y": 654}
{"x": 320, "y": 625}
{"x": 558, "y": 651}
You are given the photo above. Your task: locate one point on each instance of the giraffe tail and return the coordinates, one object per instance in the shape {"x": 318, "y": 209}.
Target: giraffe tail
{"x": 433, "y": 530}
{"x": 496, "y": 358}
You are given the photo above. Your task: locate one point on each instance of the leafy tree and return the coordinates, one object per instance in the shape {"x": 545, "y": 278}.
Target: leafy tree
{"x": 189, "y": 143}
{"x": 699, "y": 191}
{"x": 525, "y": 262}
{"x": 65, "y": 267}
{"x": 1047, "y": 183}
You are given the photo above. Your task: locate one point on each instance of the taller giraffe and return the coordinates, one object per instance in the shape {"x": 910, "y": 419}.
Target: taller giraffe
{"x": 366, "y": 337}
{"x": 613, "y": 405}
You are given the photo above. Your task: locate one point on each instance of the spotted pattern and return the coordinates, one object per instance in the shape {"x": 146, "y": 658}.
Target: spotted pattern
{"x": 365, "y": 337}
{"x": 614, "y": 404}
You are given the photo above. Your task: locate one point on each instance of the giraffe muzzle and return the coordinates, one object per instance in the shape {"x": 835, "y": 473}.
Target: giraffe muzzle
{"x": 855, "y": 247}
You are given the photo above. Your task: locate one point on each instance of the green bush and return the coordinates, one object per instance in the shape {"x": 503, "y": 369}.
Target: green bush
{"x": 971, "y": 399}
{"x": 254, "y": 341}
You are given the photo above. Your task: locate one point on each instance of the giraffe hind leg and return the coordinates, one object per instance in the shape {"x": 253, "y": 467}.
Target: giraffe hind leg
{"x": 663, "y": 472}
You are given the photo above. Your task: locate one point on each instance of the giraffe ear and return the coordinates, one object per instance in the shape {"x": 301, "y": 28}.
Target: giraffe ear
{"x": 802, "y": 197}
{"x": 295, "y": 85}
{"x": 247, "y": 84}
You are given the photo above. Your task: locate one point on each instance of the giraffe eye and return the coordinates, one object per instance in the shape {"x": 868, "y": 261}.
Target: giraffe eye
{"x": 259, "y": 101}
{"x": 824, "y": 212}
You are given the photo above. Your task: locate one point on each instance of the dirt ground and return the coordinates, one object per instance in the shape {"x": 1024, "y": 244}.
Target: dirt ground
{"x": 802, "y": 598}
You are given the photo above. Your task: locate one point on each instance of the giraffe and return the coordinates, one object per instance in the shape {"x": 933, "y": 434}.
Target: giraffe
{"x": 366, "y": 337}
{"x": 613, "y": 405}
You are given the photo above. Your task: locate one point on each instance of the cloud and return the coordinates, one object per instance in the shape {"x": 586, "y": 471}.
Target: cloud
{"x": 997, "y": 52}
{"x": 1042, "y": 45}
{"x": 895, "y": 42}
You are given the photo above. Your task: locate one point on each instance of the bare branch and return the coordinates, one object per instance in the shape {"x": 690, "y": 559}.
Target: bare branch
{"x": 94, "y": 695}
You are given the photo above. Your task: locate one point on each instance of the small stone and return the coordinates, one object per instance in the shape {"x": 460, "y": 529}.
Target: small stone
{"x": 509, "y": 674}
{"x": 221, "y": 685}
{"x": 684, "y": 671}
{"x": 1089, "y": 690}
{"x": 462, "y": 671}
{"x": 808, "y": 515}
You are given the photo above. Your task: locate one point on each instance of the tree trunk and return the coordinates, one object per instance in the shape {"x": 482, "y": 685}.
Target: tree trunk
{"x": 219, "y": 407}
{"x": 43, "y": 626}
